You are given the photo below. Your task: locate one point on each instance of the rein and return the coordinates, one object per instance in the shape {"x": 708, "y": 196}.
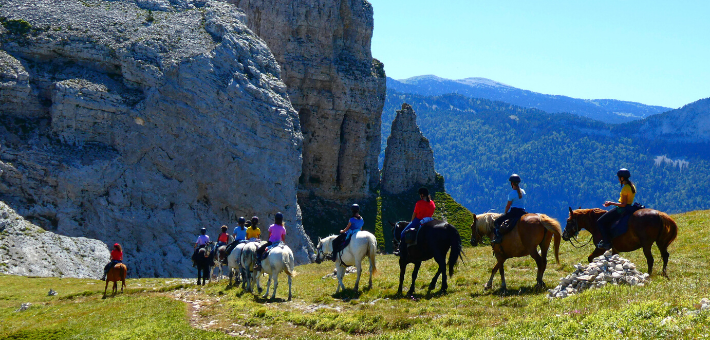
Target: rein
{"x": 579, "y": 244}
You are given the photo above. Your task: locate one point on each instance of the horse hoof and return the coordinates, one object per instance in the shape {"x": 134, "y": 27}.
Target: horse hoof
{"x": 487, "y": 286}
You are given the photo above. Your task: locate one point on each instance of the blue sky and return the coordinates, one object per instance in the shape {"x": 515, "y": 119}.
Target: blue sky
{"x": 653, "y": 52}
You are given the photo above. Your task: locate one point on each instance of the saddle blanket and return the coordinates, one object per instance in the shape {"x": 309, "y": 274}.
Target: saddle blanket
{"x": 621, "y": 226}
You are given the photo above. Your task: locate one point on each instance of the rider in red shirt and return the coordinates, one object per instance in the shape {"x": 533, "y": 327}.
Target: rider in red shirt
{"x": 116, "y": 257}
{"x": 423, "y": 212}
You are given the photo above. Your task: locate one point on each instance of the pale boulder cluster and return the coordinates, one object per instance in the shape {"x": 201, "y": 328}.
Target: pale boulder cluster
{"x": 605, "y": 269}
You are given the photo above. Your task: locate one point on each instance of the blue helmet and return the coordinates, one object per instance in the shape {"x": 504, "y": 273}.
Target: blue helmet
{"x": 514, "y": 178}
{"x": 355, "y": 208}
{"x": 241, "y": 220}
{"x": 203, "y": 231}
{"x": 623, "y": 173}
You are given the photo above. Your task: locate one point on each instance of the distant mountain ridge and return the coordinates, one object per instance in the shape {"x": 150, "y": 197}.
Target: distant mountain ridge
{"x": 605, "y": 110}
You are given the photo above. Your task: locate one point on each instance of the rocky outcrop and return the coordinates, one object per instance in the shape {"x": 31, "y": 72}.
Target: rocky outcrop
{"x": 156, "y": 119}
{"x": 338, "y": 89}
{"x": 26, "y": 249}
{"x": 409, "y": 159}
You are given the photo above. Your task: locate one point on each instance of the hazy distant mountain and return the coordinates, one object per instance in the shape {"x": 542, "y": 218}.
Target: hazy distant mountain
{"x": 689, "y": 124}
{"x": 606, "y": 110}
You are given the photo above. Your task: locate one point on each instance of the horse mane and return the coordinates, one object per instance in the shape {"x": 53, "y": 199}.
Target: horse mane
{"x": 588, "y": 212}
{"x": 484, "y": 222}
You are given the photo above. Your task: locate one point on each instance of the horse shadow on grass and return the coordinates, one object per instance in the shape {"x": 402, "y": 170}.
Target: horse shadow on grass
{"x": 262, "y": 300}
{"x": 347, "y": 294}
{"x": 521, "y": 291}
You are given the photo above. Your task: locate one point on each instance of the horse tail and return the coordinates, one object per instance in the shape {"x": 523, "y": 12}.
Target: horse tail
{"x": 669, "y": 232}
{"x": 372, "y": 252}
{"x": 554, "y": 227}
{"x": 456, "y": 248}
{"x": 289, "y": 263}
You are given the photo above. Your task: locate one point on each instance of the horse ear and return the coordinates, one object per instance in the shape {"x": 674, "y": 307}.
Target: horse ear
{"x": 391, "y": 223}
{"x": 570, "y": 211}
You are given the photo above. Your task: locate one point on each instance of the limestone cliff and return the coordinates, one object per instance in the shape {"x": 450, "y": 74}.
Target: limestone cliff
{"x": 338, "y": 89}
{"x": 409, "y": 159}
{"x": 26, "y": 249}
{"x": 141, "y": 122}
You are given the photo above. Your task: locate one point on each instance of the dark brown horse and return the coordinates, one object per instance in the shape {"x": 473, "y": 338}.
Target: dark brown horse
{"x": 115, "y": 274}
{"x": 646, "y": 226}
{"x": 531, "y": 231}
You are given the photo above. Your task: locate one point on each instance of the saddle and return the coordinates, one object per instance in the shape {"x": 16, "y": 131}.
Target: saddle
{"x": 621, "y": 226}
{"x": 340, "y": 243}
{"x": 412, "y": 235}
{"x": 271, "y": 247}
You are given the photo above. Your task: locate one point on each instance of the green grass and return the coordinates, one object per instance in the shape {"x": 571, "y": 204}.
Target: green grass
{"x": 467, "y": 311}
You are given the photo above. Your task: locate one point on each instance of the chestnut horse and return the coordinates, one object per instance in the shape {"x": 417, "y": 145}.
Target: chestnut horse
{"x": 115, "y": 274}
{"x": 646, "y": 226}
{"x": 532, "y": 230}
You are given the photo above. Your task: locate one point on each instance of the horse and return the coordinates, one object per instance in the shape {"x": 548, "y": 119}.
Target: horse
{"x": 280, "y": 258}
{"x": 484, "y": 224}
{"x": 361, "y": 244}
{"x": 247, "y": 259}
{"x": 433, "y": 241}
{"x": 235, "y": 265}
{"x": 115, "y": 274}
{"x": 646, "y": 226}
{"x": 220, "y": 254}
{"x": 204, "y": 260}
{"x": 529, "y": 233}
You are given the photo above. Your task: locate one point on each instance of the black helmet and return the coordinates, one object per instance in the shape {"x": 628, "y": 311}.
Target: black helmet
{"x": 424, "y": 191}
{"x": 254, "y": 220}
{"x": 203, "y": 231}
{"x": 224, "y": 227}
{"x": 248, "y": 224}
{"x": 241, "y": 220}
{"x": 514, "y": 178}
{"x": 623, "y": 173}
{"x": 279, "y": 217}
{"x": 355, "y": 208}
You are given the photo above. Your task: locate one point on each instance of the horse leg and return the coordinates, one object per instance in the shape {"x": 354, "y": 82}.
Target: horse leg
{"x": 442, "y": 269}
{"x": 595, "y": 253}
{"x": 289, "y": 288}
{"x": 649, "y": 258}
{"x": 664, "y": 255}
{"x": 340, "y": 272}
{"x": 276, "y": 285}
{"x": 489, "y": 284}
{"x": 503, "y": 286}
{"x": 415, "y": 272}
{"x": 106, "y": 288}
{"x": 123, "y": 284}
{"x": 358, "y": 266}
{"x": 268, "y": 286}
{"x": 402, "y": 269}
{"x": 541, "y": 265}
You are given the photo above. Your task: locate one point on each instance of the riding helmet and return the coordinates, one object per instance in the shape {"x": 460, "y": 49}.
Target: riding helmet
{"x": 203, "y": 231}
{"x": 355, "y": 208}
{"x": 623, "y": 173}
{"x": 514, "y": 178}
{"x": 224, "y": 227}
{"x": 424, "y": 191}
{"x": 241, "y": 220}
{"x": 254, "y": 220}
{"x": 279, "y": 217}
{"x": 115, "y": 245}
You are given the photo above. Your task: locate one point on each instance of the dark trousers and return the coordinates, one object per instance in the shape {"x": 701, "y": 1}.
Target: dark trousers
{"x": 513, "y": 215}
{"x": 111, "y": 265}
{"x": 260, "y": 251}
{"x": 605, "y": 221}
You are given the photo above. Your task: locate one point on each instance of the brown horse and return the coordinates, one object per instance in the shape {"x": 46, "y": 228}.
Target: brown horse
{"x": 646, "y": 226}
{"x": 115, "y": 274}
{"x": 532, "y": 230}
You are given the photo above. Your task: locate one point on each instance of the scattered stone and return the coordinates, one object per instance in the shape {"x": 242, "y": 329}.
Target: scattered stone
{"x": 334, "y": 274}
{"x": 606, "y": 269}
{"x": 23, "y": 307}
{"x": 51, "y": 292}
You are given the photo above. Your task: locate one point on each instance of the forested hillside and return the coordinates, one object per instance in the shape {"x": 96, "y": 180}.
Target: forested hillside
{"x": 564, "y": 160}
{"x": 606, "y": 110}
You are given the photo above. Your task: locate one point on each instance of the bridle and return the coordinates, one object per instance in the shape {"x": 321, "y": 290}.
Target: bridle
{"x": 574, "y": 237}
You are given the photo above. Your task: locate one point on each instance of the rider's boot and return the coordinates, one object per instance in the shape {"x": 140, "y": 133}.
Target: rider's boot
{"x": 257, "y": 265}
{"x": 499, "y": 238}
{"x": 103, "y": 278}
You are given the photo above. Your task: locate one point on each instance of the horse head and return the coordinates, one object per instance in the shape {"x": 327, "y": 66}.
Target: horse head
{"x": 397, "y": 229}
{"x": 475, "y": 236}
{"x": 572, "y": 228}
{"x": 320, "y": 256}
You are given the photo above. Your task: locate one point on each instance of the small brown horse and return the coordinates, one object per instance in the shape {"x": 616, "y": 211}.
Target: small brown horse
{"x": 532, "y": 230}
{"x": 646, "y": 226}
{"x": 115, "y": 274}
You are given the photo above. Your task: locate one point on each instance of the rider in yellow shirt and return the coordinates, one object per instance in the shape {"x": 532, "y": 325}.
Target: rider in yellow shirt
{"x": 626, "y": 198}
{"x": 253, "y": 232}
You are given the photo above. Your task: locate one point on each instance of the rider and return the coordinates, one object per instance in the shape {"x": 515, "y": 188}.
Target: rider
{"x": 354, "y": 225}
{"x": 240, "y": 234}
{"x": 513, "y": 210}
{"x": 253, "y": 232}
{"x": 423, "y": 212}
{"x": 277, "y": 234}
{"x": 116, "y": 257}
{"x": 223, "y": 238}
{"x": 626, "y": 198}
{"x": 201, "y": 242}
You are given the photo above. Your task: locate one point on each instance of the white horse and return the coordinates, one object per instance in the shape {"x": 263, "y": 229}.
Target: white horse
{"x": 220, "y": 254}
{"x": 235, "y": 265}
{"x": 280, "y": 259}
{"x": 361, "y": 244}
{"x": 247, "y": 259}
{"x": 483, "y": 225}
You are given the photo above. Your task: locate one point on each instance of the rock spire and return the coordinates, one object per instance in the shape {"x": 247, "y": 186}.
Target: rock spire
{"x": 409, "y": 159}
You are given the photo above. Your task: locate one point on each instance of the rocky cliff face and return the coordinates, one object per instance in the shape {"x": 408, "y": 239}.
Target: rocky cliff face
{"x": 141, "y": 122}
{"x": 690, "y": 124}
{"x": 26, "y": 249}
{"x": 409, "y": 159}
{"x": 338, "y": 89}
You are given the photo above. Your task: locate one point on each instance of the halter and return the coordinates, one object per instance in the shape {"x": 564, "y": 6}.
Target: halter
{"x": 574, "y": 237}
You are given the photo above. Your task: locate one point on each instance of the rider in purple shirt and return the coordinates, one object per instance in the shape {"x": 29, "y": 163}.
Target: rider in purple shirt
{"x": 277, "y": 234}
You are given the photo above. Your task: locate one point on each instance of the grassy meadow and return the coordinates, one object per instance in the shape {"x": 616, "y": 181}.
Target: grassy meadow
{"x": 176, "y": 309}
